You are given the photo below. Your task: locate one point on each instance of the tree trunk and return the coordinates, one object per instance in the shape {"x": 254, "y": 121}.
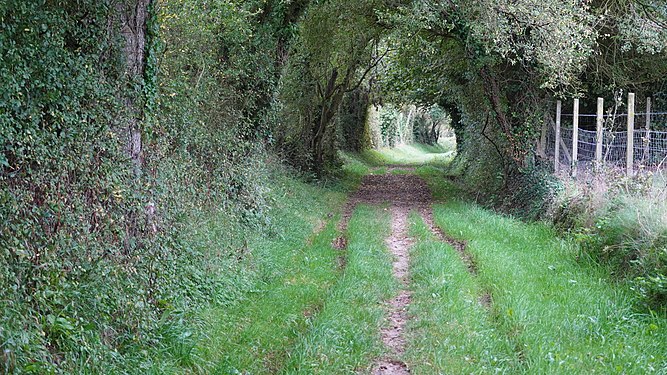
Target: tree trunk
{"x": 435, "y": 132}
{"x": 133, "y": 16}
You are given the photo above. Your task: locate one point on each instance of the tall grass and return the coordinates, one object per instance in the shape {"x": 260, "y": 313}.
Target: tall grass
{"x": 567, "y": 317}
{"x": 620, "y": 222}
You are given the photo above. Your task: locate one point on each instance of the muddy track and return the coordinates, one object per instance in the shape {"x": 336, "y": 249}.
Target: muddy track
{"x": 399, "y": 243}
{"x": 404, "y": 193}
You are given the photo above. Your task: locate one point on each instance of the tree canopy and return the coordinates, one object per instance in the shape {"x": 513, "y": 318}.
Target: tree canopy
{"x": 122, "y": 119}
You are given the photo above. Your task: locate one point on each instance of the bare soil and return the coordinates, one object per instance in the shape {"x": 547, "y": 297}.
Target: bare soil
{"x": 404, "y": 193}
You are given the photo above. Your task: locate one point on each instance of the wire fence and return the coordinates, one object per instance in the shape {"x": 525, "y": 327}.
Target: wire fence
{"x": 649, "y": 140}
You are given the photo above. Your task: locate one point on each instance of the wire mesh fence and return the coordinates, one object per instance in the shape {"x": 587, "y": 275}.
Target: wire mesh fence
{"x": 649, "y": 140}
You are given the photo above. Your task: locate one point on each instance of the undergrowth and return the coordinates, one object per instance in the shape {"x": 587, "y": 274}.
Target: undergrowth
{"x": 622, "y": 223}
{"x": 288, "y": 272}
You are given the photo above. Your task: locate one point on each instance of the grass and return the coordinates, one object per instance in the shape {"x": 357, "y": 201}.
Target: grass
{"x": 289, "y": 273}
{"x": 300, "y": 312}
{"x": 409, "y": 155}
{"x": 550, "y": 311}
{"x": 344, "y": 337}
{"x": 452, "y": 332}
{"x": 559, "y": 315}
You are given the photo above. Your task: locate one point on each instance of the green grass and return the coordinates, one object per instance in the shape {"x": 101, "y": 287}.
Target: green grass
{"x": 558, "y": 314}
{"x": 451, "y": 333}
{"x": 289, "y": 306}
{"x": 309, "y": 315}
{"x": 409, "y": 155}
{"x": 299, "y": 312}
{"x": 344, "y": 337}
{"x": 289, "y": 273}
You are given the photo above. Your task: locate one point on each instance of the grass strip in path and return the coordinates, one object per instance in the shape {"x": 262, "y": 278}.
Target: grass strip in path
{"x": 451, "y": 332}
{"x": 343, "y": 338}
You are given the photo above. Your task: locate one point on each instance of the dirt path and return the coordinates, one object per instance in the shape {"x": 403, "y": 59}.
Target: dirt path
{"x": 404, "y": 193}
{"x": 399, "y": 243}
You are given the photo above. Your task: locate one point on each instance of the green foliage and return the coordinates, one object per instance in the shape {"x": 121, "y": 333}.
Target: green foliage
{"x": 353, "y": 121}
{"x": 331, "y": 57}
{"x": 495, "y": 65}
{"x": 95, "y": 273}
{"x": 63, "y": 190}
{"x": 431, "y": 124}
{"x": 389, "y": 126}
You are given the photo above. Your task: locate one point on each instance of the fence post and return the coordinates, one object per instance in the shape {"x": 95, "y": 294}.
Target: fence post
{"x": 575, "y": 136}
{"x": 557, "y": 146}
{"x": 631, "y": 135}
{"x": 647, "y": 136}
{"x": 598, "y": 139}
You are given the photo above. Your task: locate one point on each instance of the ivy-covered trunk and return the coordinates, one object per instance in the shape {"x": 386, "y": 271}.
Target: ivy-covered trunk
{"x": 133, "y": 17}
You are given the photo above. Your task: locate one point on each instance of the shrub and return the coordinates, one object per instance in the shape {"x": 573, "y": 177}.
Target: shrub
{"x": 621, "y": 222}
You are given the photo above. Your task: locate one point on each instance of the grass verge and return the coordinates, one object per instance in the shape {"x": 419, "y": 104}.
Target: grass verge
{"x": 286, "y": 273}
{"x": 562, "y": 315}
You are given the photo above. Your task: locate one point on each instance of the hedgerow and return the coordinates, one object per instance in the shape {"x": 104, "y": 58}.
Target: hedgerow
{"x": 94, "y": 273}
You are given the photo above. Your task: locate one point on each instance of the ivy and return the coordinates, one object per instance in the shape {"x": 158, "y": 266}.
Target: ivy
{"x": 92, "y": 268}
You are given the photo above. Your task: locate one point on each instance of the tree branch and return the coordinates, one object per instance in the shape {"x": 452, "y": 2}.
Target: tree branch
{"x": 368, "y": 69}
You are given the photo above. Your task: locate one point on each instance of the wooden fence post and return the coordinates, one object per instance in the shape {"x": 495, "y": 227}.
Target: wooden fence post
{"x": 598, "y": 139}
{"x": 575, "y": 137}
{"x": 557, "y": 145}
{"x": 647, "y": 136}
{"x": 630, "y": 135}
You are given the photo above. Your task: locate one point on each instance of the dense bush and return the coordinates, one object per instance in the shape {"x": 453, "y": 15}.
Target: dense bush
{"x": 94, "y": 273}
{"x": 65, "y": 188}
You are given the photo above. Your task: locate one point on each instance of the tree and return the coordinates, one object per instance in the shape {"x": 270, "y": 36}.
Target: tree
{"x": 333, "y": 56}
{"x": 133, "y": 18}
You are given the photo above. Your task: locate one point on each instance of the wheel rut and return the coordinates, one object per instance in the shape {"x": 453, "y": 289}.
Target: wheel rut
{"x": 404, "y": 193}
